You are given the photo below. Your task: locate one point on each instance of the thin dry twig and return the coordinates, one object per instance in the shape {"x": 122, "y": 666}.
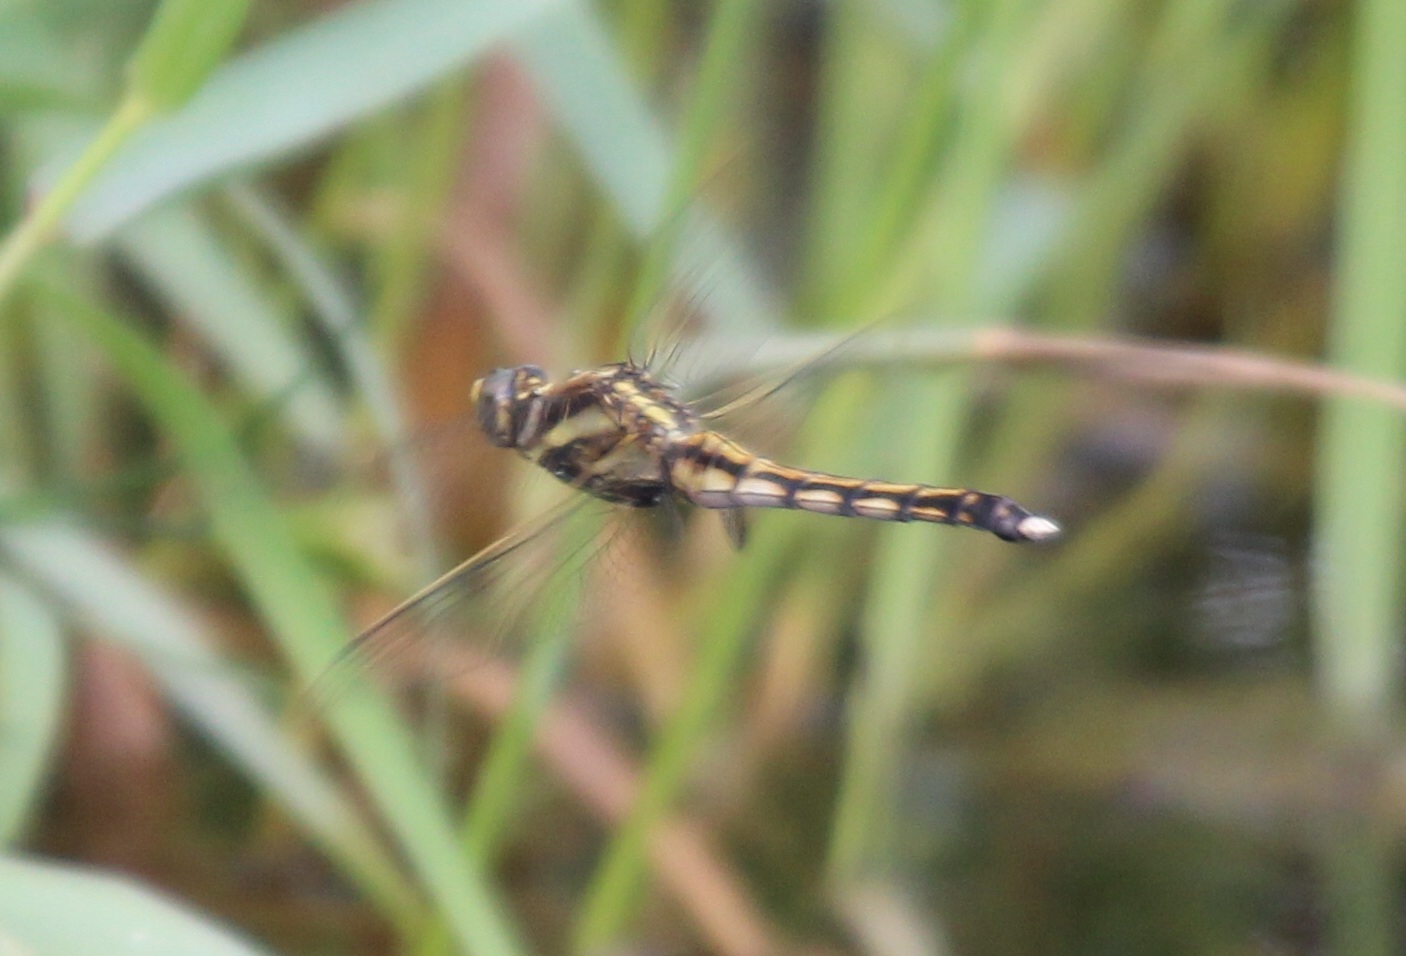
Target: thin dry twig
{"x": 1175, "y": 364}
{"x": 600, "y": 773}
{"x": 478, "y": 238}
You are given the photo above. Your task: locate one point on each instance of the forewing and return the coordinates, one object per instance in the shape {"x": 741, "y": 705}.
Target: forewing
{"x": 741, "y": 376}
{"x": 485, "y": 604}
{"x": 757, "y": 402}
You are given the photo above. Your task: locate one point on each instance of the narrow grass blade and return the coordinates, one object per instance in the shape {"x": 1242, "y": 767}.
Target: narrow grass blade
{"x": 186, "y": 40}
{"x": 615, "y": 892}
{"x": 337, "y": 312}
{"x": 732, "y": 33}
{"x": 301, "y": 616}
{"x": 187, "y": 264}
{"x": 1362, "y": 486}
{"x": 1361, "y": 534}
{"x": 295, "y": 91}
{"x": 553, "y": 621}
{"x": 109, "y": 595}
{"x": 33, "y": 666}
{"x": 946, "y": 237}
{"x": 584, "y": 80}
{"x": 585, "y": 83}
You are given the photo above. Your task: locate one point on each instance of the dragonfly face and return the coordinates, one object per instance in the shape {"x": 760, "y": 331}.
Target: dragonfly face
{"x": 507, "y": 406}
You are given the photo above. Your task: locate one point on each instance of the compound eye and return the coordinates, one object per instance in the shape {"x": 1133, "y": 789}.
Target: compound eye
{"x": 494, "y": 397}
{"x": 503, "y": 400}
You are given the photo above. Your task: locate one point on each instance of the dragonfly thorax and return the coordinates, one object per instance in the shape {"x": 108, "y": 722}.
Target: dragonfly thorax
{"x": 645, "y": 407}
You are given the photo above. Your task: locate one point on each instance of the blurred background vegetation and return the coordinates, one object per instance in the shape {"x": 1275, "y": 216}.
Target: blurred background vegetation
{"x": 257, "y": 251}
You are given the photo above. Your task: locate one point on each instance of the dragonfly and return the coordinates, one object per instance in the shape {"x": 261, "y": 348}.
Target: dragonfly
{"x": 621, "y": 434}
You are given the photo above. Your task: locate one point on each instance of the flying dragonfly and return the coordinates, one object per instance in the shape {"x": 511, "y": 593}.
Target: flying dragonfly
{"x": 621, "y": 434}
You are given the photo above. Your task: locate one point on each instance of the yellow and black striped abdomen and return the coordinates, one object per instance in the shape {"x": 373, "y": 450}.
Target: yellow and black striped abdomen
{"x": 713, "y": 472}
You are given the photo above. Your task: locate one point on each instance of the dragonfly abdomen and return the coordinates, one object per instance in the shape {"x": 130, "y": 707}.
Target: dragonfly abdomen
{"x": 713, "y": 472}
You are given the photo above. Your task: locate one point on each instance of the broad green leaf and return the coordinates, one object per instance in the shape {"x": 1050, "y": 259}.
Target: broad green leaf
{"x": 51, "y": 909}
{"x": 293, "y": 92}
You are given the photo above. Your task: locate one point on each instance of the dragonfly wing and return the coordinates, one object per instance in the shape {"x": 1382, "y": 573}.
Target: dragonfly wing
{"x": 721, "y": 392}
{"x": 735, "y": 524}
{"x": 481, "y": 602}
{"x": 659, "y": 341}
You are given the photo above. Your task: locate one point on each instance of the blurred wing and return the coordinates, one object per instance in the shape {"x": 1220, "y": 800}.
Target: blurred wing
{"x": 727, "y": 390}
{"x": 483, "y": 602}
{"x": 660, "y": 342}
{"x": 735, "y": 524}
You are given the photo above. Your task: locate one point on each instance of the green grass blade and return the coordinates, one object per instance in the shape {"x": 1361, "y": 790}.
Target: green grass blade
{"x": 732, "y": 34}
{"x": 337, "y": 313}
{"x": 110, "y": 596}
{"x": 585, "y": 82}
{"x": 302, "y": 618}
{"x": 501, "y": 778}
{"x": 194, "y": 272}
{"x": 401, "y": 265}
{"x": 948, "y": 235}
{"x": 186, "y": 40}
{"x": 615, "y": 892}
{"x": 586, "y": 85}
{"x": 33, "y": 668}
{"x": 1360, "y": 532}
{"x": 1361, "y": 537}
{"x": 295, "y": 91}
{"x": 43, "y": 220}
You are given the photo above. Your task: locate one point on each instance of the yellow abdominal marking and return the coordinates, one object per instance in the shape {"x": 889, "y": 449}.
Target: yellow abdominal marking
{"x": 930, "y": 514}
{"x": 760, "y": 489}
{"x": 875, "y": 507}
{"x": 715, "y": 479}
{"x": 880, "y": 488}
{"x": 820, "y": 499}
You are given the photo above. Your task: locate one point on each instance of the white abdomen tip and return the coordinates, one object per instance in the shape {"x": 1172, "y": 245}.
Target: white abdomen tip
{"x": 1037, "y": 528}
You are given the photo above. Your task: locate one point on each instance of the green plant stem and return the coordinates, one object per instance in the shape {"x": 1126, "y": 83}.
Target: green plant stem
{"x": 948, "y": 235}
{"x": 1360, "y": 533}
{"x": 730, "y": 31}
{"x": 614, "y": 891}
{"x": 301, "y": 615}
{"x": 36, "y": 229}
{"x": 427, "y": 178}
{"x": 1361, "y": 489}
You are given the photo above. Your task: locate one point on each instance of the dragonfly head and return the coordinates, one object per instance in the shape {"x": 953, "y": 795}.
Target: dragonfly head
{"x": 504, "y": 403}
